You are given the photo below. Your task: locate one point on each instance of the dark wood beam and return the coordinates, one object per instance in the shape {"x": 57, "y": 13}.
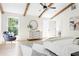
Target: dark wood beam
{"x": 62, "y": 10}
{"x": 1, "y": 8}
{"x": 45, "y": 9}
{"x": 26, "y": 9}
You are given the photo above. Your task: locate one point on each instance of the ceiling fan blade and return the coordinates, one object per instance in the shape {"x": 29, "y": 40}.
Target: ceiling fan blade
{"x": 52, "y": 7}
{"x": 44, "y": 6}
{"x": 42, "y": 12}
{"x": 41, "y": 4}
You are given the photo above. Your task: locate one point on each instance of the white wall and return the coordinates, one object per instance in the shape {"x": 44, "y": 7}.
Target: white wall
{"x": 0, "y": 24}
{"x": 23, "y": 32}
{"x": 0, "y": 21}
{"x": 1, "y": 38}
{"x": 62, "y": 22}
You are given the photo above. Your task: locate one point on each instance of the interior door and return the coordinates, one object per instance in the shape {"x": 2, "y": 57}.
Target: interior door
{"x": 52, "y": 28}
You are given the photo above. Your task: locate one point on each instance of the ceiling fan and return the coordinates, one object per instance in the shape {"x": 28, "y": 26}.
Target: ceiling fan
{"x": 45, "y": 6}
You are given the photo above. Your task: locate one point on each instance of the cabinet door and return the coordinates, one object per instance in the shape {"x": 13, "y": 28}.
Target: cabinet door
{"x": 35, "y": 34}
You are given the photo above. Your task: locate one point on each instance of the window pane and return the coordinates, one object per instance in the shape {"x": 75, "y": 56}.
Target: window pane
{"x": 13, "y": 25}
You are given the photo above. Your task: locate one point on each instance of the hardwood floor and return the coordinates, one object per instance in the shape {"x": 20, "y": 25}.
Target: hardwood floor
{"x": 8, "y": 49}
{"x": 13, "y": 49}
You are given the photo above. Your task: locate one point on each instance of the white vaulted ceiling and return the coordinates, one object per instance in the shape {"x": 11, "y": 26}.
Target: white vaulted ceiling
{"x": 17, "y": 8}
{"x": 51, "y": 12}
{"x": 34, "y": 9}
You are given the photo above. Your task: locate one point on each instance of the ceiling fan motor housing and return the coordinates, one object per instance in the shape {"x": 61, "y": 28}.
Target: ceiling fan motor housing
{"x": 44, "y": 6}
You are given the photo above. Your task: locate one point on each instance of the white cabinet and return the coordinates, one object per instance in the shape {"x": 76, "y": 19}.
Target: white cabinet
{"x": 35, "y": 34}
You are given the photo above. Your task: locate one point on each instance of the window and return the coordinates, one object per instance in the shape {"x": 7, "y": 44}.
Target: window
{"x": 13, "y": 26}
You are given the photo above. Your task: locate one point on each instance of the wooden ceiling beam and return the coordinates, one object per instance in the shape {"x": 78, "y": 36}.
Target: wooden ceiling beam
{"x": 26, "y": 9}
{"x": 45, "y": 9}
{"x": 62, "y": 10}
{"x": 1, "y": 8}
